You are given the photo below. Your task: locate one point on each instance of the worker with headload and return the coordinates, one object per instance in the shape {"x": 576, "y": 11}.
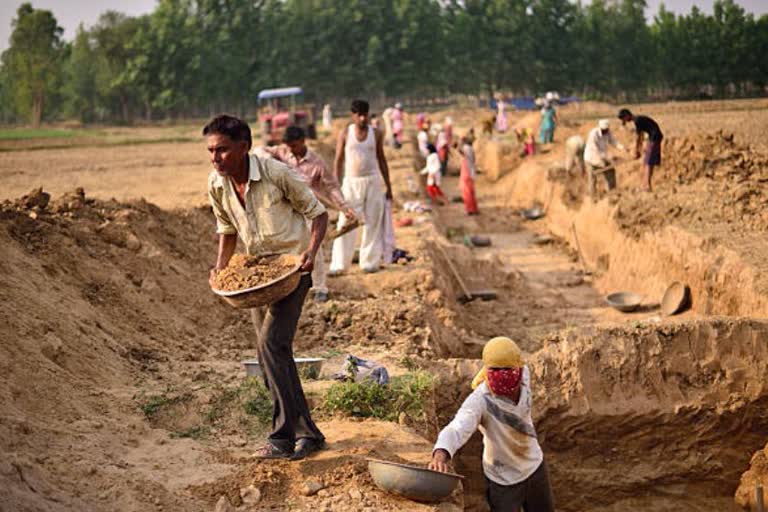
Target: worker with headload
{"x": 500, "y": 406}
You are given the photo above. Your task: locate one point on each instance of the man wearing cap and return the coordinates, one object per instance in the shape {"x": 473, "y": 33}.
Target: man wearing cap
{"x": 596, "y": 156}
{"x": 500, "y": 406}
{"x": 295, "y": 153}
{"x": 272, "y": 210}
{"x": 652, "y": 156}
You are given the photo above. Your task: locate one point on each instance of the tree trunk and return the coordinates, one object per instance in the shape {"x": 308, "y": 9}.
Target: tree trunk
{"x": 37, "y": 110}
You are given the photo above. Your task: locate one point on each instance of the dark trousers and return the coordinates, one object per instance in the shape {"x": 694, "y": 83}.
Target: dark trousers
{"x": 533, "y": 494}
{"x": 290, "y": 417}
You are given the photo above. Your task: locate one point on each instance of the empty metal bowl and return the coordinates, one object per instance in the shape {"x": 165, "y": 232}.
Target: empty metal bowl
{"x": 412, "y": 482}
{"x": 676, "y": 299}
{"x": 532, "y": 213}
{"x": 308, "y": 367}
{"x": 625, "y": 302}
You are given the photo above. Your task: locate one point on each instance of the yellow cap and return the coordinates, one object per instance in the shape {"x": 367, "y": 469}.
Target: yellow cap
{"x": 499, "y": 352}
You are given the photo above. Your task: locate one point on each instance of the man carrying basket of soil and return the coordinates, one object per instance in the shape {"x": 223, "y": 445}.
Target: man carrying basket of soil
{"x": 267, "y": 204}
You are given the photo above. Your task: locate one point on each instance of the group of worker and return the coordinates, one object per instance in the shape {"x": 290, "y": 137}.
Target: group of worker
{"x": 436, "y": 159}
{"x": 275, "y": 200}
{"x": 592, "y": 156}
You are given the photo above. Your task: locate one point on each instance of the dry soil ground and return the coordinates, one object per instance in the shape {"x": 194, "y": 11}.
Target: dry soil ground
{"x": 120, "y": 382}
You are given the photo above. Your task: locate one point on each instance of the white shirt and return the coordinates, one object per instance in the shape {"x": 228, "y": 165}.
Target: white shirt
{"x": 432, "y": 169}
{"x": 423, "y": 139}
{"x": 511, "y": 451}
{"x": 596, "y": 149}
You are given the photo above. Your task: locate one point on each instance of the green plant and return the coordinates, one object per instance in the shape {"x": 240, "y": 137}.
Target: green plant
{"x": 151, "y": 405}
{"x": 404, "y": 394}
{"x": 258, "y": 402}
{"x": 196, "y": 432}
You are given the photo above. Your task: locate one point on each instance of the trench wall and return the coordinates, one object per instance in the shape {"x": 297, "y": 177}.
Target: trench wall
{"x": 721, "y": 282}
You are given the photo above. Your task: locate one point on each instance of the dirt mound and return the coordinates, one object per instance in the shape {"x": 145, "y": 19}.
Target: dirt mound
{"x": 96, "y": 295}
{"x": 704, "y": 179}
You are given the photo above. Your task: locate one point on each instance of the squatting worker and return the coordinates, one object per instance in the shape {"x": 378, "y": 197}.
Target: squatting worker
{"x": 597, "y": 158}
{"x": 267, "y": 204}
{"x": 574, "y": 153}
{"x": 295, "y": 153}
{"x": 362, "y": 168}
{"x": 500, "y": 406}
{"x": 652, "y": 156}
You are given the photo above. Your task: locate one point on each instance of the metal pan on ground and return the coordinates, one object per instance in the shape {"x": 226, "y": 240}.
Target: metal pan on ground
{"x": 626, "y": 302}
{"x": 267, "y": 293}
{"x": 532, "y": 213}
{"x": 412, "y": 482}
{"x": 308, "y": 367}
{"x": 480, "y": 241}
{"x": 676, "y": 299}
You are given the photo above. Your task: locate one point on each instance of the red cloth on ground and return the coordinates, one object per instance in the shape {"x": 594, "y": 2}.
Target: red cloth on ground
{"x": 467, "y": 185}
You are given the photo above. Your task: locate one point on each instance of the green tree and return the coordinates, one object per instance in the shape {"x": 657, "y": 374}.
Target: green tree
{"x": 33, "y": 60}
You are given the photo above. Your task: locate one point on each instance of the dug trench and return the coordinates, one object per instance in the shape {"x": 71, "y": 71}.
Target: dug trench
{"x": 633, "y": 410}
{"x": 121, "y": 388}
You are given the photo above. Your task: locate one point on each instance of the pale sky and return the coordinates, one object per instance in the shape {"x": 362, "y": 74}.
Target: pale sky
{"x": 70, "y": 13}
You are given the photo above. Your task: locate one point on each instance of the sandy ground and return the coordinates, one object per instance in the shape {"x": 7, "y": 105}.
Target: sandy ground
{"x": 110, "y": 307}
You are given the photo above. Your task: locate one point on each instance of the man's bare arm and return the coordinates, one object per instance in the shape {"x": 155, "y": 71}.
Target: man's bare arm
{"x": 319, "y": 225}
{"x": 338, "y": 161}
{"x": 383, "y": 162}
{"x": 227, "y": 244}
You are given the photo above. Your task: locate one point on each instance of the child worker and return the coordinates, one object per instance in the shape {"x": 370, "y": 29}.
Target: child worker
{"x": 432, "y": 170}
{"x": 500, "y": 406}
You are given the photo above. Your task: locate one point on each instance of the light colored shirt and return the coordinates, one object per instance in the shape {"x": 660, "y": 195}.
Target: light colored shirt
{"x": 312, "y": 168}
{"x": 511, "y": 451}
{"x": 574, "y": 148}
{"x": 423, "y": 139}
{"x": 596, "y": 148}
{"x": 432, "y": 169}
{"x": 277, "y": 204}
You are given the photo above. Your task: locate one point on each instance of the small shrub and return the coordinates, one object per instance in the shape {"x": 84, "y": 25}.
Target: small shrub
{"x": 407, "y": 393}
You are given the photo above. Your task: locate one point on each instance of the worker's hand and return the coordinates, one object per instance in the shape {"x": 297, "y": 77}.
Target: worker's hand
{"x": 637, "y": 154}
{"x": 307, "y": 260}
{"x": 349, "y": 214}
{"x": 440, "y": 461}
{"x": 389, "y": 193}
{"x": 212, "y": 276}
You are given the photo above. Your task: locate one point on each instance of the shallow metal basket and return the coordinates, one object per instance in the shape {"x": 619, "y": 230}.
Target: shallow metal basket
{"x": 269, "y": 292}
{"x": 412, "y": 482}
{"x": 624, "y": 301}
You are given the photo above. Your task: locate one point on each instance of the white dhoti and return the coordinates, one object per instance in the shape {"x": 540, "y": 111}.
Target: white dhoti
{"x": 320, "y": 272}
{"x": 366, "y": 196}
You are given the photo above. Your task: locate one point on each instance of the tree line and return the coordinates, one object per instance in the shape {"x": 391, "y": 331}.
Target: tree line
{"x": 197, "y": 57}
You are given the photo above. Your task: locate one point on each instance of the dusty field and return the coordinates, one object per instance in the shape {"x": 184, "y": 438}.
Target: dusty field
{"x": 121, "y": 387}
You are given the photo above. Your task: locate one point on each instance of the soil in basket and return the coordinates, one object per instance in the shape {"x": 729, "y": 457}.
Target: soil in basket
{"x": 249, "y": 271}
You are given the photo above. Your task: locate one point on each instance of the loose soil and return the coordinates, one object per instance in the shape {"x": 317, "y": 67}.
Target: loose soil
{"x": 245, "y": 271}
{"x": 120, "y": 379}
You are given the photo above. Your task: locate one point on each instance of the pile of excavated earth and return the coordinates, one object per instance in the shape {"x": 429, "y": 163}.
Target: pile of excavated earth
{"x": 121, "y": 384}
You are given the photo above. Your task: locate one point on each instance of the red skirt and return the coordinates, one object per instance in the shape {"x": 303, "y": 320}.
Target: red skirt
{"x": 467, "y": 185}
